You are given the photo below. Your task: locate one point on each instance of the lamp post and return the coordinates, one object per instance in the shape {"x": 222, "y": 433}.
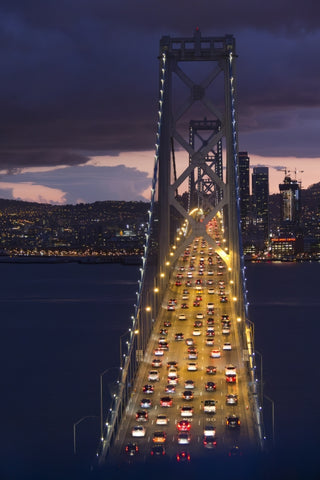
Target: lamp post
{"x": 75, "y": 431}
{"x": 121, "y": 354}
{"x": 272, "y": 418}
{"x": 261, "y": 377}
{"x": 101, "y": 399}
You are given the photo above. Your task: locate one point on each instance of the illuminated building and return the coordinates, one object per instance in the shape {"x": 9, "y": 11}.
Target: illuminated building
{"x": 260, "y": 204}
{"x": 243, "y": 162}
{"x": 290, "y": 201}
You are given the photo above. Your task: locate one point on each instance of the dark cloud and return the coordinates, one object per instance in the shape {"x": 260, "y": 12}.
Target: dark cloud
{"x": 83, "y": 74}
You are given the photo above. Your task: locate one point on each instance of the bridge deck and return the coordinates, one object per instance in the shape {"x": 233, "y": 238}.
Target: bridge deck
{"x": 246, "y": 435}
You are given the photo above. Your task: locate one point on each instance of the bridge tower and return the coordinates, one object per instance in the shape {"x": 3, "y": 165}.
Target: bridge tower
{"x": 197, "y": 80}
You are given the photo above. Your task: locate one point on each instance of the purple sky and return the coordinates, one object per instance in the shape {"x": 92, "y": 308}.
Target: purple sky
{"x": 79, "y": 90}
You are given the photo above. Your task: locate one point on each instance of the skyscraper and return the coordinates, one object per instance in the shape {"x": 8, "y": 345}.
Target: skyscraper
{"x": 260, "y": 203}
{"x": 243, "y": 163}
{"x": 290, "y": 207}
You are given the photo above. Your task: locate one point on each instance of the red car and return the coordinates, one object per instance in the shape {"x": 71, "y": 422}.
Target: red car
{"x": 184, "y": 426}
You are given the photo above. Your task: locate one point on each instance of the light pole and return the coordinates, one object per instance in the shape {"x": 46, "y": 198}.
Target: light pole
{"x": 75, "y": 431}
{"x": 101, "y": 399}
{"x": 261, "y": 377}
{"x": 121, "y": 355}
{"x": 272, "y": 418}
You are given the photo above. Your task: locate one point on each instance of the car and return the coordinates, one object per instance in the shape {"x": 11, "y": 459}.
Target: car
{"x": 173, "y": 380}
{"x": 131, "y": 449}
{"x": 224, "y": 317}
{"x": 188, "y": 384}
{"x": 167, "y": 323}
{"x": 138, "y": 431}
{"x": 227, "y": 346}
{"x": 196, "y": 303}
{"x": 210, "y": 341}
{"x": 141, "y": 416}
{"x": 210, "y": 386}
{"x": 231, "y": 399}
{"x": 158, "y": 352}
{"x": 199, "y": 315}
{"x": 209, "y": 406}
{"x": 184, "y": 438}
{"x": 210, "y": 322}
{"x": 163, "y": 345}
{"x": 170, "y": 389}
{"x": 157, "y": 451}
{"x": 172, "y": 372}
{"x": 196, "y": 332}
{"x": 188, "y": 283}
{"x": 209, "y": 431}
{"x": 233, "y": 422}
{"x": 198, "y": 281}
{"x": 215, "y": 353}
{"x": 210, "y": 291}
{"x": 185, "y": 292}
{"x": 183, "y": 457}
{"x": 183, "y": 426}
{"x": 159, "y": 437}
{"x": 197, "y": 324}
{"x": 171, "y": 308}
{"x": 230, "y": 369}
{"x": 172, "y": 364}
{"x": 211, "y": 370}
{"x": 178, "y": 283}
{"x": 210, "y": 272}
{"x": 198, "y": 298}
{"x": 209, "y": 441}
{"x": 231, "y": 378}
{"x": 226, "y": 323}
{"x": 163, "y": 331}
{"x": 189, "y": 274}
{"x": 210, "y": 306}
{"x": 185, "y": 296}
{"x": 162, "y": 420}
{"x": 186, "y": 411}
{"x": 187, "y": 395}
{"x": 189, "y": 341}
{"x": 156, "y": 362}
{"x": 179, "y": 336}
{"x": 182, "y": 316}
{"x": 192, "y": 366}
{"x": 166, "y": 401}
{"x": 223, "y": 299}
{"x": 192, "y": 354}
{"x": 148, "y": 389}
{"x": 172, "y": 301}
{"x": 145, "y": 403}
{"x": 210, "y": 332}
{"x": 184, "y": 305}
{"x": 153, "y": 376}
{"x": 225, "y": 330}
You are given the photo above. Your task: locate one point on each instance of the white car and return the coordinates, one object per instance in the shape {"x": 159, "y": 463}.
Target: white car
{"x": 196, "y": 332}
{"x": 173, "y": 380}
{"x": 162, "y": 420}
{"x": 227, "y": 346}
{"x": 215, "y": 353}
{"x": 225, "y": 330}
{"x": 199, "y": 315}
{"x": 210, "y": 291}
{"x": 189, "y": 384}
{"x": 153, "y": 376}
{"x": 184, "y": 438}
{"x": 192, "y": 367}
{"x": 209, "y": 431}
{"x": 186, "y": 411}
{"x": 210, "y": 306}
{"x": 138, "y": 431}
{"x": 158, "y": 352}
{"x": 209, "y": 342}
{"x": 185, "y": 296}
{"x": 182, "y": 317}
{"x": 172, "y": 372}
{"x": 230, "y": 369}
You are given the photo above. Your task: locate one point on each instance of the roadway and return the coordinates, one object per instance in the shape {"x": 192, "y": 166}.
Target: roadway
{"x": 245, "y": 436}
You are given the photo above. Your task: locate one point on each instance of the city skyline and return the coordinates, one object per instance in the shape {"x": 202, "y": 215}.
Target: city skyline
{"x": 80, "y": 90}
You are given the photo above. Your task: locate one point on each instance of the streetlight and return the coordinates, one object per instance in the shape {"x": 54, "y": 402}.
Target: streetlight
{"x": 75, "y": 431}
{"x": 120, "y": 339}
{"x": 101, "y": 399}
{"x": 272, "y": 417}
